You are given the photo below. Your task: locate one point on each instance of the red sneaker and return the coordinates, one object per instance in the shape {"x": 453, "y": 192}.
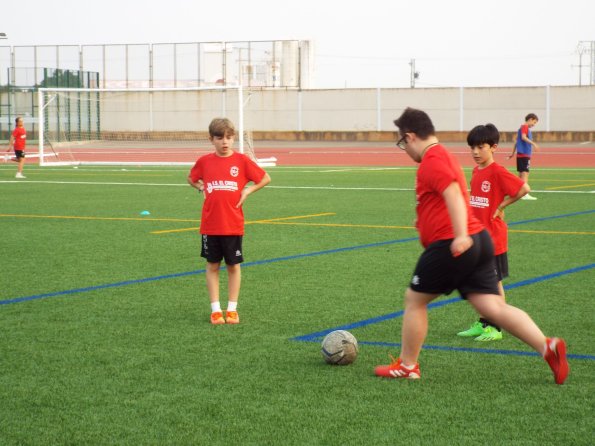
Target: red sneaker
{"x": 397, "y": 370}
{"x": 555, "y": 355}
{"x": 217, "y": 318}
{"x": 232, "y": 317}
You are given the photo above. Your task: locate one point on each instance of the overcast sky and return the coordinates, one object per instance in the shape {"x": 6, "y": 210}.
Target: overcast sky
{"x": 356, "y": 43}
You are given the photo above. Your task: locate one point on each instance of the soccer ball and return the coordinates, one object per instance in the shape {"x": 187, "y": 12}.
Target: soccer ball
{"x": 339, "y": 347}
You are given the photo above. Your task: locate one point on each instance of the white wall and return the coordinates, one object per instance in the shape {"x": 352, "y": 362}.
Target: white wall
{"x": 451, "y": 109}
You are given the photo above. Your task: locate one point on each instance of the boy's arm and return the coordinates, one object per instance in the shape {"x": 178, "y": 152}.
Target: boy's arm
{"x": 198, "y": 185}
{"x": 266, "y": 179}
{"x": 457, "y": 211}
{"x": 10, "y": 143}
{"x": 513, "y": 150}
{"x": 527, "y": 140}
{"x": 524, "y": 190}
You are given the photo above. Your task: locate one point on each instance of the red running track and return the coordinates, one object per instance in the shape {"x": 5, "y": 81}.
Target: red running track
{"x": 575, "y": 156}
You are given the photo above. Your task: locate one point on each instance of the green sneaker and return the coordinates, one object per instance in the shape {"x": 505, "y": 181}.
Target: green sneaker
{"x": 489, "y": 334}
{"x": 475, "y": 330}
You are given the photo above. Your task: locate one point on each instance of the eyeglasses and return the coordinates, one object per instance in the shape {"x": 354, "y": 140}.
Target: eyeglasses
{"x": 401, "y": 142}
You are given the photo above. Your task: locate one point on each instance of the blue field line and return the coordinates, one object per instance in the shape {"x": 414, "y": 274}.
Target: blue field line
{"x": 373, "y": 320}
{"x": 549, "y": 276}
{"x": 200, "y": 271}
{"x": 316, "y": 336}
{"x": 247, "y": 264}
{"x": 574, "y": 214}
{"x": 99, "y": 287}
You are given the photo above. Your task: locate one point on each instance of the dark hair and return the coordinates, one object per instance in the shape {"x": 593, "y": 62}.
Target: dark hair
{"x": 221, "y": 127}
{"x": 17, "y": 119}
{"x": 415, "y": 121}
{"x": 483, "y": 134}
{"x": 531, "y": 116}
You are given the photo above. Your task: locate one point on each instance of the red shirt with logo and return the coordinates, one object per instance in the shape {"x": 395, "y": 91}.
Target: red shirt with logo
{"x": 224, "y": 178}
{"x": 489, "y": 187}
{"x": 438, "y": 170}
{"x": 20, "y": 137}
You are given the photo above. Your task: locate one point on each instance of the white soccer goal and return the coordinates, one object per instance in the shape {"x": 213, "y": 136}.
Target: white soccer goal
{"x": 148, "y": 126}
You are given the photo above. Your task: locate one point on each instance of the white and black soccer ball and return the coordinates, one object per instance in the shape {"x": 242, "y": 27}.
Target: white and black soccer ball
{"x": 339, "y": 347}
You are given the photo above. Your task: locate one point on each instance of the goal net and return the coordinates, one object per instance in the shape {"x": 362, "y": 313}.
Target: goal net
{"x": 149, "y": 126}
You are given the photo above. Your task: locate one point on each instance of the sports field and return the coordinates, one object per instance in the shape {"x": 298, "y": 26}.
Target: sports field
{"x": 105, "y": 337}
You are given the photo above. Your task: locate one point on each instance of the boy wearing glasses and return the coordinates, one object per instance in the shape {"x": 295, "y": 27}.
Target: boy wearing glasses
{"x": 458, "y": 255}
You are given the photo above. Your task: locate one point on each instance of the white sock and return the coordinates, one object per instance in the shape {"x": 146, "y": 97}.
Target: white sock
{"x": 215, "y": 307}
{"x": 231, "y": 306}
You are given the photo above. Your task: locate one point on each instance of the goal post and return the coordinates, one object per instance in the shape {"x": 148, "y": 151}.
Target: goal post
{"x": 144, "y": 126}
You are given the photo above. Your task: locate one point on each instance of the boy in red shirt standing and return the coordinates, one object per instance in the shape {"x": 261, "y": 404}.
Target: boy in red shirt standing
{"x": 458, "y": 255}
{"x": 493, "y": 188}
{"x": 18, "y": 138}
{"x": 221, "y": 177}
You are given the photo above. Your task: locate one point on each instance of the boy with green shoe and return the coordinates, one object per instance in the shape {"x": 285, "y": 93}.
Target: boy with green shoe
{"x": 493, "y": 188}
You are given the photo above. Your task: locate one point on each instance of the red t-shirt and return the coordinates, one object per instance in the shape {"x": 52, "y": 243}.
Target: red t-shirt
{"x": 489, "y": 187}
{"x": 20, "y": 137}
{"x": 224, "y": 179}
{"x": 437, "y": 170}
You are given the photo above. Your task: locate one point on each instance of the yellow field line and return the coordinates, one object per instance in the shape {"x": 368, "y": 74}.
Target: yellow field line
{"x": 337, "y": 225}
{"x": 271, "y": 221}
{"x": 167, "y": 231}
{"x": 344, "y": 225}
{"x": 570, "y": 187}
{"x": 553, "y": 232}
{"x": 295, "y": 217}
{"x": 75, "y": 217}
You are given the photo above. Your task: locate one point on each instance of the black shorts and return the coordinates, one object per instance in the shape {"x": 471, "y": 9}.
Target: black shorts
{"x": 218, "y": 247}
{"x": 522, "y": 164}
{"x": 502, "y": 266}
{"x": 474, "y": 271}
{"x": 18, "y": 154}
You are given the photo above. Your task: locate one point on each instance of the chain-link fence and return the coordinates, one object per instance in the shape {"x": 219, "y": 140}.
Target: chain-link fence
{"x": 18, "y": 95}
{"x": 266, "y": 64}
{"x": 254, "y": 64}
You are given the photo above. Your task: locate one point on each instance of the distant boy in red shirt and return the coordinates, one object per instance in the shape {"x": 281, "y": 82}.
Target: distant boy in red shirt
{"x": 222, "y": 176}
{"x": 493, "y": 188}
{"x": 18, "y": 138}
{"x": 458, "y": 255}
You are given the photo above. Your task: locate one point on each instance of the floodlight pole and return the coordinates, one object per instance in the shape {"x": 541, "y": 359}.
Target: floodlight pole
{"x": 581, "y": 49}
{"x": 414, "y": 74}
{"x": 592, "y": 75}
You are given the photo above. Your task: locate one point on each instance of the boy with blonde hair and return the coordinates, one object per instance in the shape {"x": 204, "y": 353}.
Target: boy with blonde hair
{"x": 222, "y": 177}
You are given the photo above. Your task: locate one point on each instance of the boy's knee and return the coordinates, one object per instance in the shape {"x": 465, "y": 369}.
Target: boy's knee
{"x": 416, "y": 299}
{"x": 213, "y": 266}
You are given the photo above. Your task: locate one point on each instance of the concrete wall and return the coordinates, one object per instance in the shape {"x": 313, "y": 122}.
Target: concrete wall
{"x": 564, "y": 112}
{"x": 451, "y": 109}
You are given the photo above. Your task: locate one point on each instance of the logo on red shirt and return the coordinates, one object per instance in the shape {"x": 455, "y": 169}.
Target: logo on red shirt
{"x": 234, "y": 171}
{"x": 486, "y": 186}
